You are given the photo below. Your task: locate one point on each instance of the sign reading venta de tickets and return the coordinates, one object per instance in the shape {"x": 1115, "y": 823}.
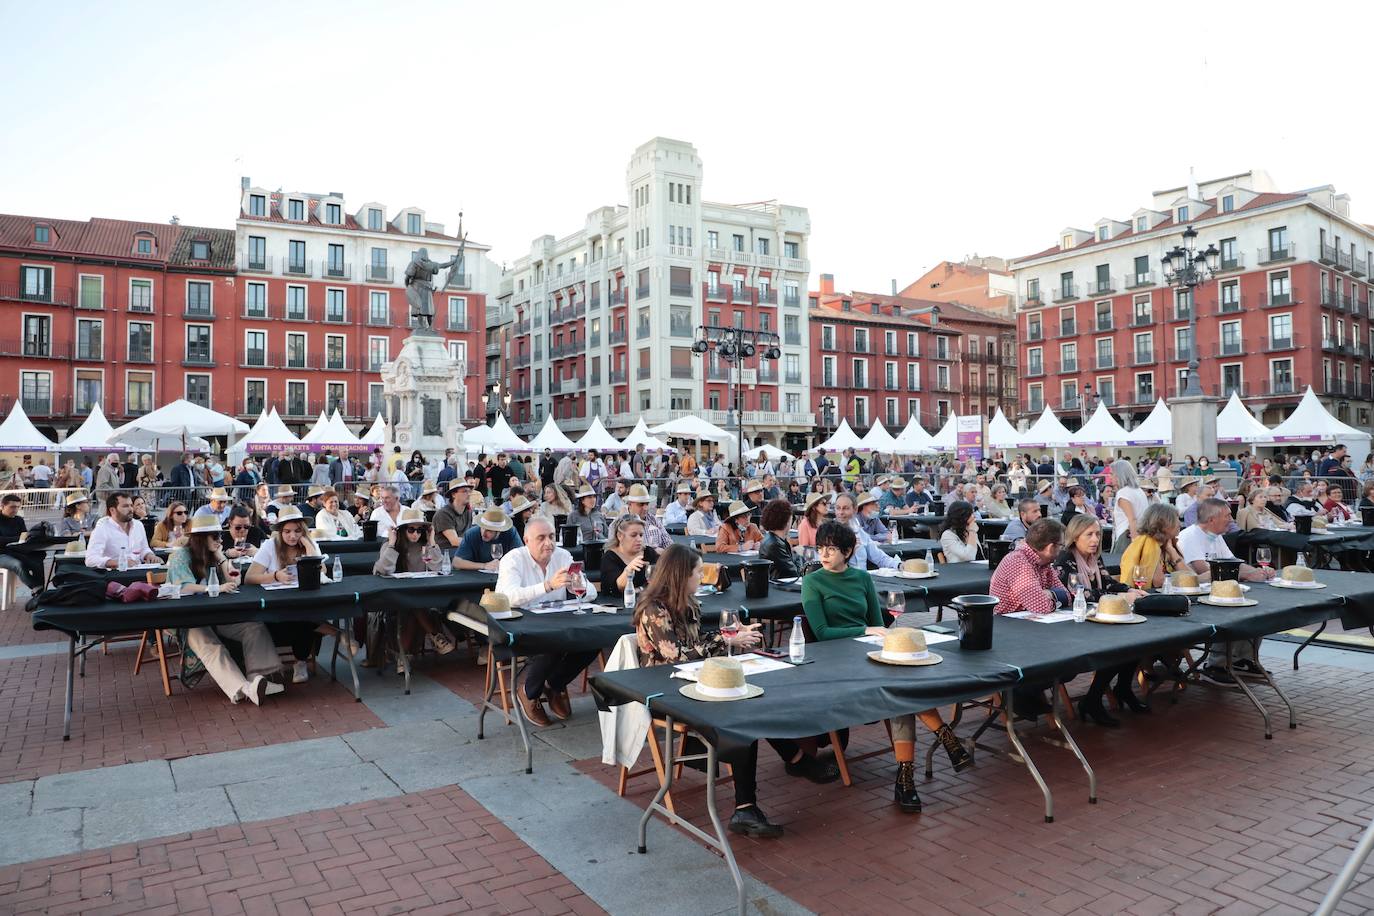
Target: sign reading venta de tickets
{"x": 969, "y": 438}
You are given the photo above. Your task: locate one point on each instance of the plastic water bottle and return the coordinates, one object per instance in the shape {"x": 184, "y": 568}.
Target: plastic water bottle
{"x": 123, "y": 559}
{"x": 930, "y": 559}
{"x": 1080, "y": 606}
{"x": 1302, "y": 560}
{"x": 337, "y": 573}
{"x": 630, "y": 594}
{"x": 796, "y": 646}
{"x": 212, "y": 583}
{"x": 892, "y": 535}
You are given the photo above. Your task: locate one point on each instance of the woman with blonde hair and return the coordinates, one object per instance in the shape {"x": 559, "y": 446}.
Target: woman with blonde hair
{"x": 1131, "y": 503}
{"x": 1154, "y": 550}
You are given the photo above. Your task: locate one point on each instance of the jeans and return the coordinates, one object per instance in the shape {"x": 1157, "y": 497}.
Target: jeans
{"x": 552, "y": 673}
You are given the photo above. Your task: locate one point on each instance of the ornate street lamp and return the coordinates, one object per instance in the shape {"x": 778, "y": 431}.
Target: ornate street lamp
{"x": 735, "y": 345}
{"x": 1185, "y": 269}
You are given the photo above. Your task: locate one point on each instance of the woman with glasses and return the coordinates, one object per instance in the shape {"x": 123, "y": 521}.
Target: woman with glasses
{"x": 241, "y": 533}
{"x": 189, "y": 567}
{"x": 626, "y": 558}
{"x": 336, "y": 520}
{"x": 172, "y": 526}
{"x": 410, "y": 547}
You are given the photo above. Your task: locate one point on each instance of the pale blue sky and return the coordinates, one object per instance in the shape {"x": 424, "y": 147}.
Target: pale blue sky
{"x": 913, "y": 132}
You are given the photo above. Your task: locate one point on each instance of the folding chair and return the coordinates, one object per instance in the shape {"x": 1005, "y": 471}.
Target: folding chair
{"x": 159, "y": 637}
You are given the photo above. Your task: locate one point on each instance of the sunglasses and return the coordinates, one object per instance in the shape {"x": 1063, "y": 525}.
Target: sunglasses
{"x": 414, "y": 530}
{"x": 179, "y": 512}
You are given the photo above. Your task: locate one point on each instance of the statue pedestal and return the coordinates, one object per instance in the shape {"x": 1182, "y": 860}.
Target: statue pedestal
{"x": 1195, "y": 427}
{"x": 424, "y": 390}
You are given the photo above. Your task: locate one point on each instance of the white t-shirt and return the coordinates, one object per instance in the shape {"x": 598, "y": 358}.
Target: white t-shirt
{"x": 42, "y": 473}
{"x": 1195, "y": 543}
{"x": 266, "y": 557}
{"x": 384, "y": 521}
{"x": 1139, "y": 502}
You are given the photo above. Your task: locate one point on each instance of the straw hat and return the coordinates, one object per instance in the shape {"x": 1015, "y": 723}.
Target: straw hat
{"x": 458, "y": 483}
{"x": 518, "y": 504}
{"x": 285, "y": 492}
{"x": 497, "y": 606}
{"x": 288, "y": 514}
{"x": 812, "y": 499}
{"x": 880, "y": 480}
{"x": 720, "y": 680}
{"x": 1211, "y": 479}
{"x": 1044, "y": 487}
{"x": 428, "y": 488}
{"x": 80, "y": 496}
{"x": 321, "y": 534}
{"x": 905, "y": 646}
{"x": 866, "y": 498}
{"x": 1146, "y": 485}
{"x": 584, "y": 491}
{"x": 75, "y": 547}
{"x": 638, "y": 494}
{"x": 494, "y": 520}
{"x": 410, "y": 516}
{"x": 684, "y": 488}
{"x": 1114, "y": 609}
{"x": 219, "y": 495}
{"x": 204, "y": 524}
{"x": 738, "y": 508}
{"x": 314, "y": 492}
{"x": 915, "y": 565}
{"x": 359, "y": 494}
{"x": 703, "y": 494}
{"x": 753, "y": 486}
{"x": 899, "y": 483}
{"x": 1189, "y": 482}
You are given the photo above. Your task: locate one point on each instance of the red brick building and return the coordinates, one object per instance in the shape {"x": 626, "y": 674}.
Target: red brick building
{"x": 980, "y": 283}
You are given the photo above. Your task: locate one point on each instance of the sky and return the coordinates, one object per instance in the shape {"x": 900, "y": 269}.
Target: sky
{"x": 913, "y": 132}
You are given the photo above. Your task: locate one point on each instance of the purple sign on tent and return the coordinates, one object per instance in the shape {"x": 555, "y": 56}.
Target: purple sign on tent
{"x": 968, "y": 438}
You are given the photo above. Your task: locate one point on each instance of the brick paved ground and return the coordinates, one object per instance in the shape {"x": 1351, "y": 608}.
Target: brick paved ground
{"x": 123, "y": 718}
{"x": 1198, "y": 814}
{"x": 16, "y": 629}
{"x": 430, "y": 852}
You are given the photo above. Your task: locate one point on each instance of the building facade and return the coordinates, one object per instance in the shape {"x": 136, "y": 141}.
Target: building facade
{"x": 890, "y": 358}
{"x": 980, "y": 283}
{"x": 1290, "y": 305}
{"x": 604, "y": 319}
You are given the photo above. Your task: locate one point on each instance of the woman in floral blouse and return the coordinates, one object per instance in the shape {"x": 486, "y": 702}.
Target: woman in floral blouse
{"x": 668, "y": 627}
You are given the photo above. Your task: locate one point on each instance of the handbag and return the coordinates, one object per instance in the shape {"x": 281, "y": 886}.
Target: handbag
{"x": 1163, "y": 606}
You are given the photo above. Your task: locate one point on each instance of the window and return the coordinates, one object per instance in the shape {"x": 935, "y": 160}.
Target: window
{"x": 913, "y": 376}
{"x": 1104, "y": 278}
{"x": 198, "y": 390}
{"x": 36, "y": 283}
{"x": 1035, "y": 361}
{"x": 1183, "y": 304}
{"x": 92, "y": 293}
{"x": 1068, "y": 394}
{"x": 1279, "y": 290}
{"x": 1144, "y": 347}
{"x": 37, "y": 335}
{"x": 828, "y": 371}
{"x": 1280, "y": 330}
{"x": 942, "y": 378}
{"x": 378, "y": 349}
{"x": 791, "y": 250}
{"x": 1230, "y": 338}
{"x": 295, "y": 351}
{"x": 200, "y": 250}
{"x": 1231, "y": 380}
{"x": 1144, "y": 387}
{"x": 138, "y": 393}
{"x": 1102, "y": 235}
{"x": 90, "y": 339}
{"x": 1033, "y": 290}
{"x": 413, "y": 224}
{"x": 1143, "y": 314}
{"x": 1278, "y": 242}
{"x": 1035, "y": 396}
{"x": 140, "y": 342}
{"x": 890, "y": 376}
{"x": 376, "y": 395}
{"x": 334, "y": 266}
{"x": 762, "y": 245}
{"x": 913, "y": 347}
{"x": 1142, "y": 223}
{"x": 295, "y": 262}
{"x": 197, "y": 343}
{"x": 257, "y": 252}
{"x": 1068, "y": 357}
{"x": 257, "y": 205}
{"x": 1142, "y": 270}
{"x": 374, "y": 220}
{"x": 1183, "y": 214}
{"x": 378, "y": 262}
{"x": 1106, "y": 390}
{"x": 35, "y": 392}
{"x": 1281, "y": 376}
{"x": 378, "y": 308}
{"x": 295, "y": 209}
{"x": 295, "y": 303}
{"x": 295, "y": 399}
{"x": 255, "y": 348}
{"x": 861, "y": 340}
{"x": 255, "y": 300}
{"x": 140, "y": 295}
{"x": 334, "y": 305}
{"x": 860, "y": 367}
{"x": 942, "y": 348}
{"x": 1066, "y": 290}
{"x": 1104, "y": 316}
{"x": 254, "y": 396}
{"x": 1104, "y": 353}
{"x": 1183, "y": 343}
{"x": 334, "y": 352}
{"x": 861, "y": 411}
{"x": 1034, "y": 331}
{"x": 792, "y": 400}
{"x": 198, "y": 301}
{"x": 737, "y": 242}
{"x": 1229, "y": 293}
{"x": 333, "y": 214}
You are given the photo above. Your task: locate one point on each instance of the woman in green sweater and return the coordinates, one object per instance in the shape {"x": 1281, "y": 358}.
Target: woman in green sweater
{"x": 841, "y": 602}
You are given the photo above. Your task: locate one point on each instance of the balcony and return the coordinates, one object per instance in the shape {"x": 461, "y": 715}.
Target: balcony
{"x": 768, "y": 297}
{"x": 1101, "y": 287}
{"x": 1344, "y": 261}
{"x": 1284, "y": 387}
{"x": 1274, "y": 345}
{"x": 1067, "y": 365}
{"x": 678, "y": 328}
{"x": 1281, "y": 300}
{"x": 642, "y": 372}
{"x": 199, "y": 359}
{"x": 459, "y": 281}
{"x": 379, "y": 273}
{"x": 682, "y": 372}
{"x": 454, "y": 323}
{"x": 139, "y": 355}
{"x": 617, "y": 336}
{"x": 617, "y": 297}
{"x": 522, "y": 360}
{"x": 1231, "y": 306}
{"x": 335, "y": 315}
{"x": 53, "y": 295}
{"x": 1105, "y": 361}
{"x": 254, "y": 358}
{"x": 1032, "y": 299}
{"x": 1035, "y": 405}
{"x": 720, "y": 372}
{"x": 1068, "y": 328}
{"x": 1357, "y": 308}
{"x": 1035, "y": 370}
{"x": 89, "y": 352}
{"x": 742, "y": 295}
{"x": 1358, "y": 268}
{"x": 1237, "y": 262}
{"x": 337, "y": 271}
{"x": 642, "y": 331}
{"x": 1068, "y": 403}
{"x": 716, "y": 293}
{"x": 1067, "y": 293}
{"x": 792, "y": 378}
{"x": 379, "y": 319}
{"x": 1103, "y": 323}
{"x": 36, "y": 348}
{"x": 1142, "y": 319}
{"x": 792, "y": 338}
{"x": 1334, "y": 346}
{"x": 304, "y": 268}
{"x": 198, "y": 313}
{"x": 1183, "y": 313}
{"x": 1273, "y": 254}
{"x": 255, "y": 265}
{"x": 1140, "y": 281}
{"x": 1143, "y": 358}
{"x": 1145, "y": 397}
{"x": 1344, "y": 388}
{"x": 1180, "y": 354}
{"x": 791, "y": 302}
{"x": 641, "y": 292}
{"x": 1228, "y": 348}
{"x": 618, "y": 376}
{"x": 493, "y": 349}
{"x": 1033, "y": 335}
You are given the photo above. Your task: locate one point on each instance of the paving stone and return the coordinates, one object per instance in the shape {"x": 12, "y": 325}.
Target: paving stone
{"x": 52, "y": 833}
{"x": 135, "y": 820}
{"x": 409, "y": 738}
{"x": 150, "y": 779}
{"x": 309, "y": 790}
{"x": 256, "y": 763}
{"x": 16, "y": 799}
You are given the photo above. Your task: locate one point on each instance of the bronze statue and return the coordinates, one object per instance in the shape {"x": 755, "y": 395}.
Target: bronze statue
{"x": 420, "y": 279}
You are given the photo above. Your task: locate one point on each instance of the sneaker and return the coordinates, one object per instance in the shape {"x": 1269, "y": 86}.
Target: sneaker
{"x": 300, "y": 673}
{"x": 1217, "y": 677}
{"x": 273, "y": 688}
{"x": 750, "y": 821}
{"x": 1246, "y": 667}
{"x": 814, "y": 769}
{"x": 257, "y": 688}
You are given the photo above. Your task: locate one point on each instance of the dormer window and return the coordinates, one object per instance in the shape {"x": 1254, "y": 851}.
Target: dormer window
{"x": 333, "y": 214}
{"x": 846, "y": 305}
{"x": 413, "y": 224}
{"x": 200, "y": 250}
{"x": 1228, "y": 203}
{"x": 374, "y": 220}
{"x": 1183, "y": 214}
{"x": 295, "y": 210}
{"x": 42, "y": 234}
{"x": 143, "y": 246}
{"x": 257, "y": 205}
{"x": 1142, "y": 223}
{"x": 1066, "y": 242}
{"x": 1102, "y": 233}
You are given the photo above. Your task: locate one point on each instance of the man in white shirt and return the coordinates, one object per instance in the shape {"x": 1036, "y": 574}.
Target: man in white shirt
{"x": 866, "y": 551}
{"x": 615, "y": 501}
{"x": 115, "y": 532}
{"x": 536, "y": 574}
{"x": 678, "y": 510}
{"x": 388, "y": 512}
{"x": 1198, "y": 543}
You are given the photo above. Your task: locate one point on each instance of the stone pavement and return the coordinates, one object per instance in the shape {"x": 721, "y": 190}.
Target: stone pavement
{"x": 314, "y": 803}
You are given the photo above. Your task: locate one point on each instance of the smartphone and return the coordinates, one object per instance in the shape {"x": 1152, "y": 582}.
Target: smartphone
{"x": 771, "y": 653}
{"x": 938, "y": 628}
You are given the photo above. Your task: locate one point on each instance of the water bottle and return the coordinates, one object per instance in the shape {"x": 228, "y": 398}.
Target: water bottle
{"x": 1080, "y": 606}
{"x": 123, "y": 559}
{"x": 930, "y": 559}
{"x": 796, "y": 646}
{"x": 630, "y": 593}
{"x": 1302, "y": 560}
{"x": 892, "y": 535}
{"x": 337, "y": 573}
{"x": 212, "y": 583}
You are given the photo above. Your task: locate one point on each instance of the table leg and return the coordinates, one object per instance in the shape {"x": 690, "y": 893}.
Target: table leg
{"x": 1073, "y": 746}
{"x": 1307, "y": 642}
{"x": 1010, "y": 714}
{"x": 723, "y": 842}
{"x": 1250, "y": 694}
{"x": 519, "y": 712}
{"x": 402, "y": 660}
{"x": 1348, "y": 872}
{"x": 67, "y": 712}
{"x": 1268, "y": 679}
{"x": 656, "y": 803}
{"x": 492, "y": 680}
{"x": 352, "y": 661}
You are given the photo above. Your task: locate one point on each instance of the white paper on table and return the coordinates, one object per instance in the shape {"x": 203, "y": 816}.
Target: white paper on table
{"x": 145, "y": 566}
{"x": 750, "y": 662}
{"x": 1051, "y": 617}
{"x": 932, "y": 639}
{"x": 553, "y": 607}
{"x": 423, "y": 574}
{"x": 274, "y": 586}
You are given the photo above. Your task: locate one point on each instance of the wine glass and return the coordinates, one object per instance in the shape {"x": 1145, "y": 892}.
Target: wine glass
{"x": 1138, "y": 577}
{"x": 497, "y": 550}
{"x": 809, "y": 557}
{"x": 577, "y": 587}
{"x": 729, "y": 628}
{"x": 1263, "y": 557}
{"x": 895, "y": 602}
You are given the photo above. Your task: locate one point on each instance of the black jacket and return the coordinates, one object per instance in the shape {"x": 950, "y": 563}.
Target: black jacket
{"x": 1065, "y": 565}
{"x": 779, "y": 552}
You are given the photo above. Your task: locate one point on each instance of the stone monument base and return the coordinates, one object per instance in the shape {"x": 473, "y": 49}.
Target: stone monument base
{"x": 424, "y": 390}
{"x": 1195, "y": 427}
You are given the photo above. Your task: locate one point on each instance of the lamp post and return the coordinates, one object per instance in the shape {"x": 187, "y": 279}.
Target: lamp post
{"x": 1185, "y": 269}
{"x": 735, "y": 345}
{"x": 1086, "y": 404}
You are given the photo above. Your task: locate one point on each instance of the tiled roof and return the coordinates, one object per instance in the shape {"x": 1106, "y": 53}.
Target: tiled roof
{"x": 114, "y": 238}
{"x": 949, "y": 311}
{"x": 312, "y": 205}
{"x": 830, "y": 309}
{"x": 1261, "y": 200}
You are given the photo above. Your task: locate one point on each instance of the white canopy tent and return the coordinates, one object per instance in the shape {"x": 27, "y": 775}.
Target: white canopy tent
{"x": 1046, "y": 432}
{"x": 269, "y": 434}
{"x": 1157, "y": 428}
{"x": 1236, "y": 424}
{"x": 1001, "y": 434}
{"x": 376, "y": 433}
{"x": 92, "y": 436}
{"x": 1101, "y": 429}
{"x": 914, "y": 440}
{"x": 498, "y": 437}
{"x": 771, "y": 452}
{"x": 1311, "y": 422}
{"x": 181, "y": 422}
{"x": 879, "y": 439}
{"x": 18, "y": 434}
{"x": 551, "y": 437}
{"x": 331, "y": 433}
{"x": 947, "y": 439}
{"x": 641, "y": 435}
{"x": 596, "y": 437}
{"x": 843, "y": 438}
{"x": 692, "y": 427}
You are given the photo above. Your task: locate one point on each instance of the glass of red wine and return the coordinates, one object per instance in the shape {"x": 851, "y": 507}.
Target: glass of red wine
{"x": 1138, "y": 577}
{"x": 577, "y": 587}
{"x": 1263, "y": 557}
{"x": 895, "y": 601}
{"x": 729, "y": 628}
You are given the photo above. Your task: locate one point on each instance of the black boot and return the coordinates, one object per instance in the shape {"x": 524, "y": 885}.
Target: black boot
{"x": 904, "y": 792}
{"x": 750, "y": 821}
{"x": 959, "y": 757}
{"x": 1090, "y": 707}
{"x": 1126, "y": 697}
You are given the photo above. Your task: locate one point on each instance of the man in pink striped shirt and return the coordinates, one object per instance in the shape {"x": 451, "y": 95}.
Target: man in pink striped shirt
{"x": 1025, "y": 579}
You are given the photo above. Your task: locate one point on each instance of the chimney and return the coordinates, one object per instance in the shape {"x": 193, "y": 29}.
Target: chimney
{"x": 827, "y": 284}
{"x": 245, "y": 183}
{"x": 894, "y": 286}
